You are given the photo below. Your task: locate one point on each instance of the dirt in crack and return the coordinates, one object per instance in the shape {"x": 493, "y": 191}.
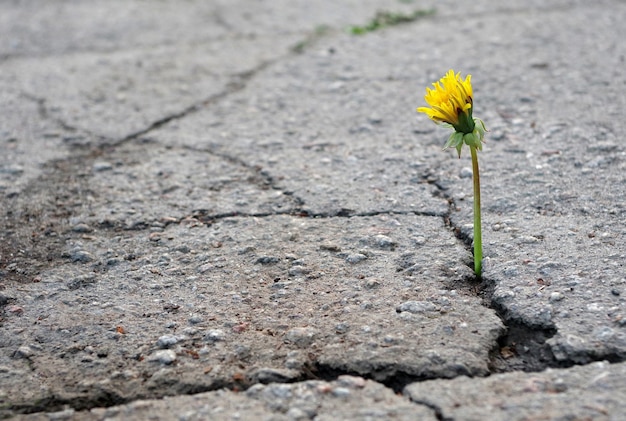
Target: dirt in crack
{"x": 391, "y": 378}
{"x": 520, "y": 347}
{"x": 523, "y": 349}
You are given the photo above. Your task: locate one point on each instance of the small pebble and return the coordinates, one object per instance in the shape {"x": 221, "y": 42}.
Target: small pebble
{"x": 416, "y": 307}
{"x": 215, "y": 335}
{"x": 243, "y": 351}
{"x": 24, "y": 352}
{"x": 465, "y": 172}
{"x": 341, "y": 392}
{"x": 82, "y": 228}
{"x": 330, "y": 247}
{"x": 205, "y": 268}
{"x": 102, "y": 166}
{"x": 372, "y": 284}
{"x": 267, "y": 260}
{"x": 384, "y": 242}
{"x": 556, "y": 296}
{"x": 298, "y": 271}
{"x": 353, "y": 382}
{"x": 390, "y": 340}
{"x": 81, "y": 256}
{"x": 166, "y": 341}
{"x": 355, "y": 258}
{"x": 302, "y": 337}
{"x": 342, "y": 327}
{"x": 246, "y": 249}
{"x": 163, "y": 356}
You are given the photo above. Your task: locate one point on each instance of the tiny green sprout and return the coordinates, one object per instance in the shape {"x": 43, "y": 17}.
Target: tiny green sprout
{"x": 384, "y": 19}
{"x": 451, "y": 104}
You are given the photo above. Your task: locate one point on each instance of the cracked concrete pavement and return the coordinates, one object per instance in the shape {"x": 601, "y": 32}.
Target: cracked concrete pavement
{"x": 230, "y": 210}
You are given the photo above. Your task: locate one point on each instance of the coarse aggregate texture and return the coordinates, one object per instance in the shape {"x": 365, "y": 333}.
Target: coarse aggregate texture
{"x": 191, "y": 307}
{"x": 236, "y": 201}
{"x": 347, "y": 398}
{"x": 591, "y": 392}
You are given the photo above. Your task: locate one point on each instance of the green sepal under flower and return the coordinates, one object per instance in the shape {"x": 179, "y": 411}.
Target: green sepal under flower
{"x": 474, "y": 138}
{"x": 455, "y": 140}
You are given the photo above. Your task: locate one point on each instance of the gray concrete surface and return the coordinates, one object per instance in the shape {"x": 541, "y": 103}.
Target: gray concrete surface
{"x": 230, "y": 210}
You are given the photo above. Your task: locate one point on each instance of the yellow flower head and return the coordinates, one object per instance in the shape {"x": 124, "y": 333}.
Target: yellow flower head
{"x": 451, "y": 103}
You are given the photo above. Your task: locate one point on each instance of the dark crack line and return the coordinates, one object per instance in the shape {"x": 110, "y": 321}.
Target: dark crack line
{"x": 349, "y": 213}
{"x": 435, "y": 408}
{"x": 44, "y": 114}
{"x": 238, "y": 83}
{"x": 267, "y": 181}
{"x": 203, "y": 217}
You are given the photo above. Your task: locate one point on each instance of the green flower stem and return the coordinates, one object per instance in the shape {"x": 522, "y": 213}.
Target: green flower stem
{"x": 478, "y": 237}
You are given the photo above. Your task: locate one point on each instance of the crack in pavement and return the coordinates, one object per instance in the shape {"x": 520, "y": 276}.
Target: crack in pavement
{"x": 45, "y": 114}
{"x": 238, "y": 83}
{"x": 522, "y": 347}
{"x": 509, "y": 352}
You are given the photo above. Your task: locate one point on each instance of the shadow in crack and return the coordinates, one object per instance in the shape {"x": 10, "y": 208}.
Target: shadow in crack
{"x": 523, "y": 349}
{"x": 395, "y": 380}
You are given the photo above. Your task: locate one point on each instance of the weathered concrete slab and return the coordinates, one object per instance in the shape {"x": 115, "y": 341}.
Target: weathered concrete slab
{"x": 114, "y": 69}
{"x": 593, "y": 392}
{"x": 217, "y": 196}
{"x": 347, "y": 398}
{"x": 245, "y": 300}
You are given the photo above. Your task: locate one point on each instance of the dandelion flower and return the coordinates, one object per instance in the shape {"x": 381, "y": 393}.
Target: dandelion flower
{"x": 451, "y": 104}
